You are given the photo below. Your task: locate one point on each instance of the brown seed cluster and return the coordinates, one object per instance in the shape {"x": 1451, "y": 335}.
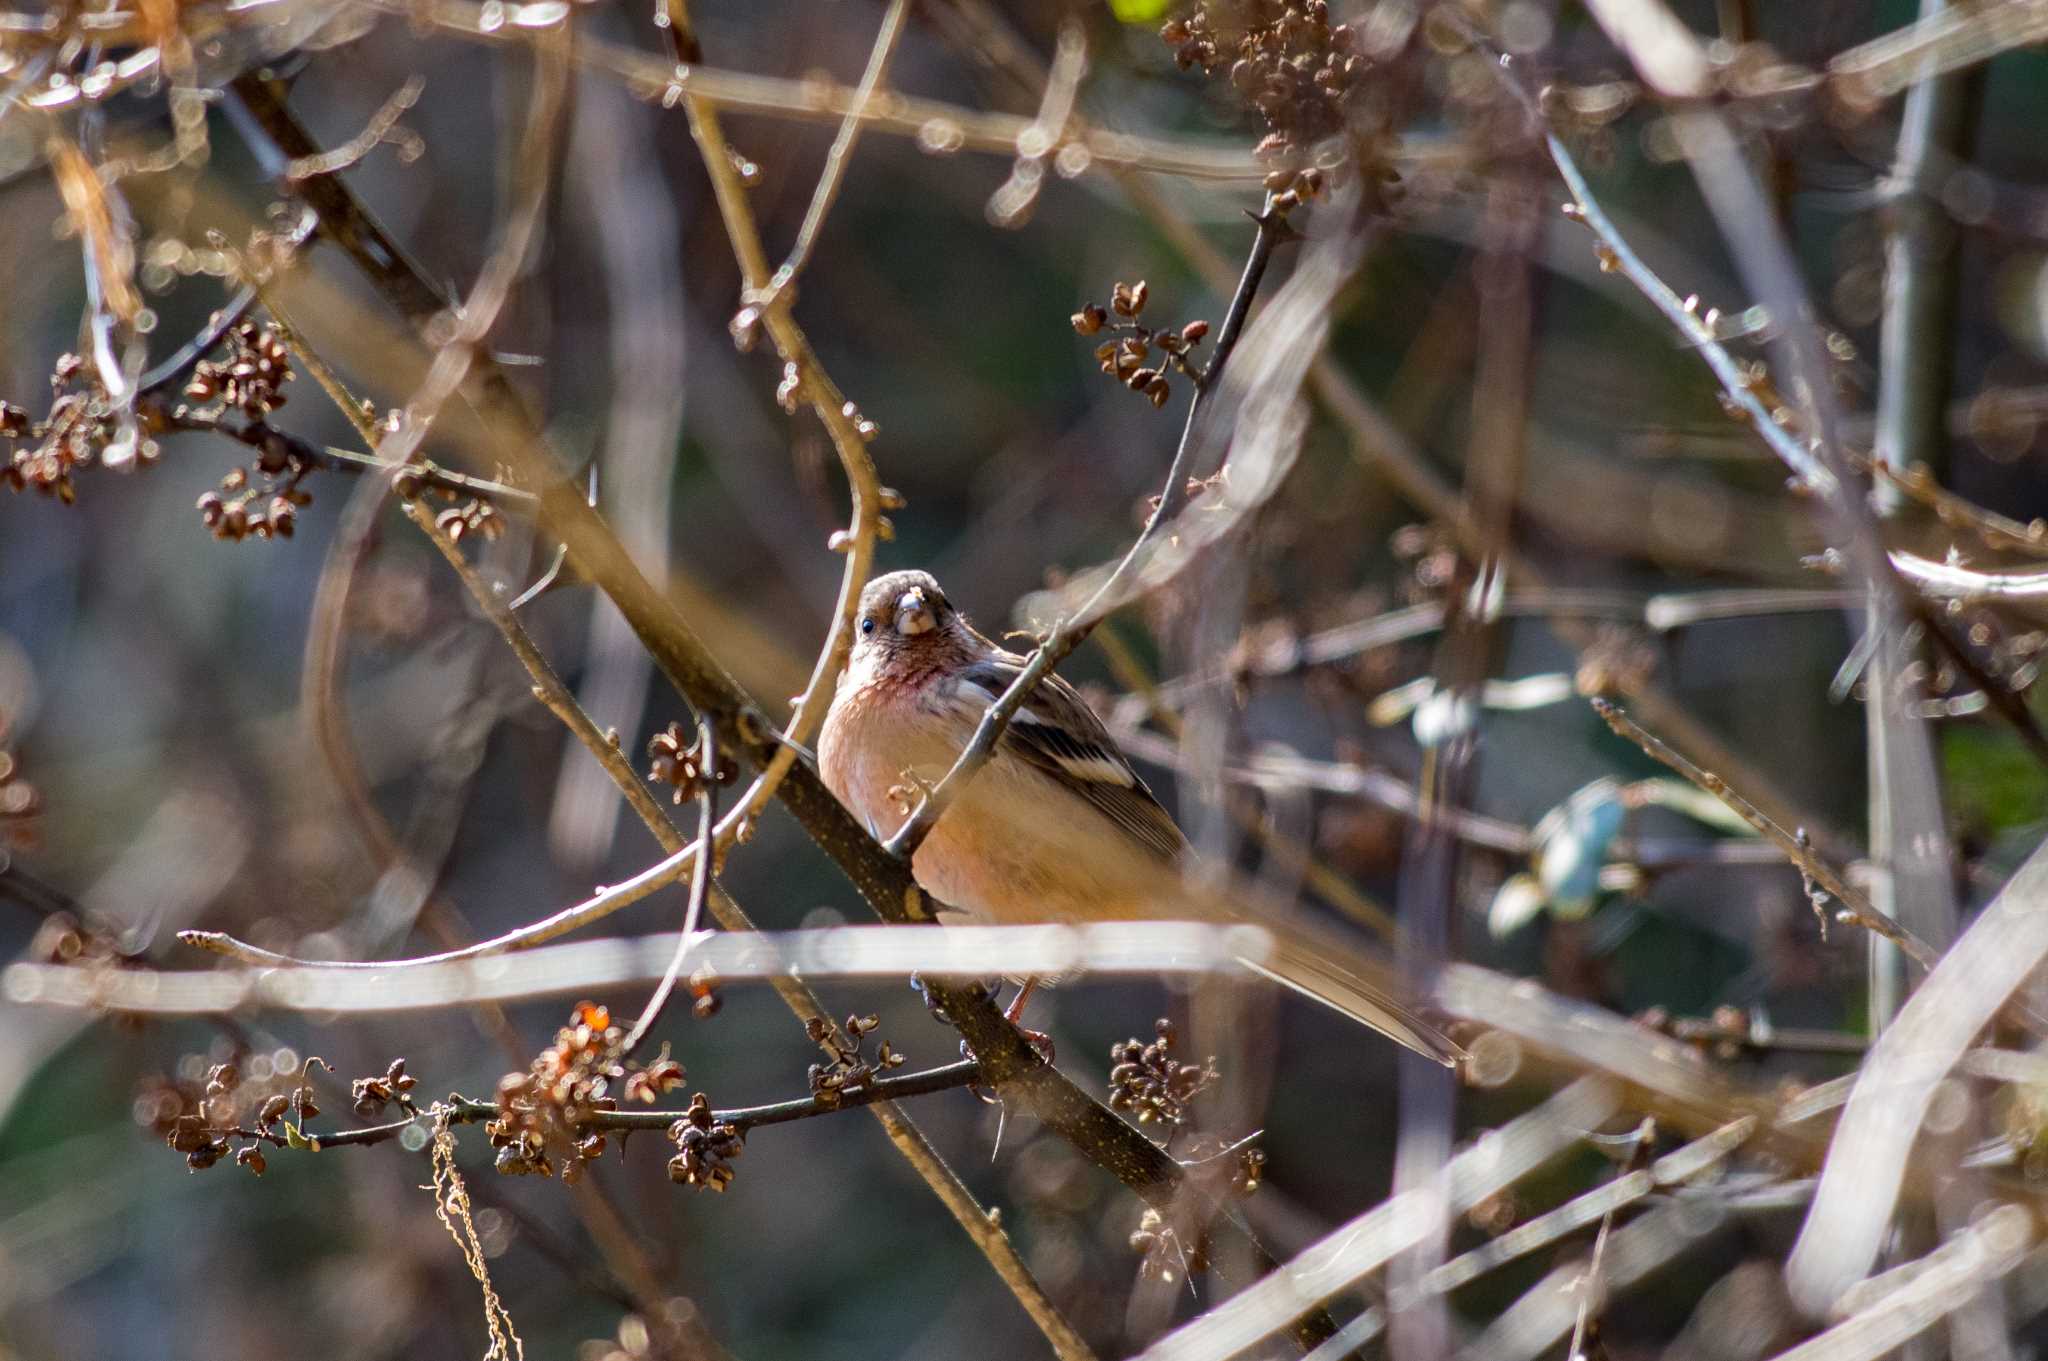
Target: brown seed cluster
{"x": 850, "y": 1069}
{"x": 1286, "y": 60}
{"x": 543, "y": 1123}
{"x": 263, "y": 506}
{"x": 468, "y": 517}
{"x": 705, "y": 1148}
{"x": 1157, "y": 1089}
{"x": 1147, "y": 1081}
{"x": 1175, "y": 1245}
{"x": 372, "y": 1094}
{"x": 85, "y": 426}
{"x": 674, "y": 758}
{"x": 247, "y": 377}
{"x": 227, "y": 1114}
{"x": 1128, "y": 357}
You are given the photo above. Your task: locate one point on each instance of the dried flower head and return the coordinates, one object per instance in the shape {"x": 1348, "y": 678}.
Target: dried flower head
{"x": 85, "y": 425}
{"x": 1285, "y": 59}
{"x": 850, "y": 1069}
{"x": 704, "y": 1148}
{"x": 544, "y": 1113}
{"x": 225, "y": 1111}
{"x": 372, "y": 1094}
{"x": 1147, "y": 1081}
{"x": 1129, "y": 358}
{"x": 675, "y": 759}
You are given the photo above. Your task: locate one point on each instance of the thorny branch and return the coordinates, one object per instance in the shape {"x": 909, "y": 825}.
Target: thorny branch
{"x": 462, "y": 1110}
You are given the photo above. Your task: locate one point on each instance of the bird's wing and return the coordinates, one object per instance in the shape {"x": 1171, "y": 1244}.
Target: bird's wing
{"x": 1348, "y": 981}
{"x": 1056, "y": 733}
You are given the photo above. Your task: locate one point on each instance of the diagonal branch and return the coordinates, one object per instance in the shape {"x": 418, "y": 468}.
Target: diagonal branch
{"x": 1855, "y": 906}
{"x": 1068, "y": 633}
{"x": 841, "y": 152}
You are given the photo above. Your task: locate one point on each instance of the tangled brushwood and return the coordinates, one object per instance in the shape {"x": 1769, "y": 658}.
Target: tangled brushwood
{"x": 1567, "y": 546}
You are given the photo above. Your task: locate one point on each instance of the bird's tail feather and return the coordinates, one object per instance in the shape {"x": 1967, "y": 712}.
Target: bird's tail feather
{"x": 1315, "y": 969}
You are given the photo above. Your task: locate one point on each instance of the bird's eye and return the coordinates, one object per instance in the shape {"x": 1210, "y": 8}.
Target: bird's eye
{"x": 867, "y": 625}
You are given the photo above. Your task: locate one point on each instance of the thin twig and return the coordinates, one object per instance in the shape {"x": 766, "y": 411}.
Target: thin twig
{"x": 465, "y": 1111}
{"x": 1947, "y": 581}
{"x": 840, "y": 154}
{"x": 700, "y": 880}
{"x": 1915, "y": 351}
{"x": 1068, "y": 634}
{"x": 838, "y": 415}
{"x": 261, "y": 435}
{"x": 1855, "y": 906}
{"x": 1738, "y": 384}
{"x": 1917, "y": 481}
{"x": 1591, "y": 1288}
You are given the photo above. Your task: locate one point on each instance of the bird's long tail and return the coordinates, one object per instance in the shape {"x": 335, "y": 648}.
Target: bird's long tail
{"x": 1342, "y": 980}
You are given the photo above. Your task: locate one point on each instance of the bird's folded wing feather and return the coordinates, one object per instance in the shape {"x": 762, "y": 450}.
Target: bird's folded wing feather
{"x": 1056, "y": 733}
{"x": 1359, "y": 988}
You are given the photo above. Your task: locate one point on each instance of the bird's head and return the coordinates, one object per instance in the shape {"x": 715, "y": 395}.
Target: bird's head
{"x": 905, "y": 621}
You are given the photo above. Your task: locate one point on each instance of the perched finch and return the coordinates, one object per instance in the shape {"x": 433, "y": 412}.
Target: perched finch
{"x": 1057, "y": 827}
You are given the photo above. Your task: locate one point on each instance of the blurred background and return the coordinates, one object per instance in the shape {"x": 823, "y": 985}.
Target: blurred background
{"x": 155, "y": 728}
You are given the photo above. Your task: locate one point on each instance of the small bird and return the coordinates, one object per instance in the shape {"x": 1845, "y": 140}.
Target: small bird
{"x": 1057, "y": 827}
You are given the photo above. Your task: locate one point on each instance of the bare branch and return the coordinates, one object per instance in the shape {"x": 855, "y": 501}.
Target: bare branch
{"x": 898, "y": 1087}
{"x": 841, "y": 151}
{"x": 879, "y": 951}
{"x": 1855, "y": 906}
{"x": 706, "y": 756}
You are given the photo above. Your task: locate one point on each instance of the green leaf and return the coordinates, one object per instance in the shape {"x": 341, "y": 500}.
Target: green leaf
{"x": 1994, "y": 785}
{"x": 1140, "y": 11}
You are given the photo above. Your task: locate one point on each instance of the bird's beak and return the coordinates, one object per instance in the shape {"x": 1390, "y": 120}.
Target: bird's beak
{"x": 913, "y": 615}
